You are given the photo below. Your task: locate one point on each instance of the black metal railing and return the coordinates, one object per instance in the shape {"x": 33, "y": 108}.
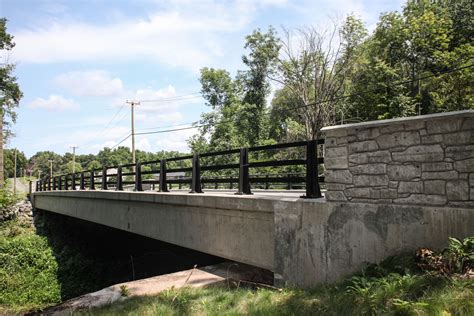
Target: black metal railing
{"x": 189, "y": 169}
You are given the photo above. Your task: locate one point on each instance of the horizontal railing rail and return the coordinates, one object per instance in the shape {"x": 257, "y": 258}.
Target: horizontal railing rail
{"x": 189, "y": 170}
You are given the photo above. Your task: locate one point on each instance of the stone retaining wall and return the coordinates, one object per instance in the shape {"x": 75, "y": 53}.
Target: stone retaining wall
{"x": 423, "y": 160}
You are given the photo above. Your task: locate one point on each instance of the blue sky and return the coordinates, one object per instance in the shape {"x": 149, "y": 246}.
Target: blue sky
{"x": 79, "y": 61}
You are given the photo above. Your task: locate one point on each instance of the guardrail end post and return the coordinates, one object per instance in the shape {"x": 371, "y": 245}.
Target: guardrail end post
{"x": 196, "y": 176}
{"x": 312, "y": 181}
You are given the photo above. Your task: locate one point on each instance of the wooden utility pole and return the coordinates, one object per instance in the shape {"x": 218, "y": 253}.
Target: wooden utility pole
{"x": 132, "y": 106}
{"x": 14, "y": 174}
{"x": 74, "y": 158}
{"x": 50, "y": 169}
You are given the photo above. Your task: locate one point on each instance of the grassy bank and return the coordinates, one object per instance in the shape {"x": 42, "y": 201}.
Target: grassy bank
{"x": 28, "y": 269}
{"x": 426, "y": 284}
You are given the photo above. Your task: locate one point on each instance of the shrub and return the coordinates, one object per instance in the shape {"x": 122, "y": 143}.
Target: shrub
{"x": 27, "y": 273}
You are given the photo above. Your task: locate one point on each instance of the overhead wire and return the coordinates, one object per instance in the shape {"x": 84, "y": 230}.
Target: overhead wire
{"x": 314, "y": 103}
{"x": 196, "y": 124}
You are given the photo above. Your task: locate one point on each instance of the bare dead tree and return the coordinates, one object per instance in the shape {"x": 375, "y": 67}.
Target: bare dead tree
{"x": 315, "y": 66}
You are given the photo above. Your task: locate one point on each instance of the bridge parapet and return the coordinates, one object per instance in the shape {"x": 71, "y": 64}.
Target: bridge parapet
{"x": 423, "y": 160}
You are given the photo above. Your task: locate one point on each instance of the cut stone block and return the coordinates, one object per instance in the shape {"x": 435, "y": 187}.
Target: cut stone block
{"x": 398, "y": 139}
{"x": 403, "y": 172}
{"x": 457, "y": 190}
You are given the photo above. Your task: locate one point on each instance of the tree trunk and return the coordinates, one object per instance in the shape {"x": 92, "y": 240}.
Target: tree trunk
{"x": 2, "y": 178}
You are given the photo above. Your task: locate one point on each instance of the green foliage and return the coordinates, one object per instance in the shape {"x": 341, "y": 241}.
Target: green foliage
{"x": 9, "y": 89}
{"x": 238, "y": 116}
{"x": 124, "y": 290}
{"x": 9, "y": 162}
{"x": 424, "y": 40}
{"x": 7, "y": 198}
{"x": 27, "y": 269}
{"x": 39, "y": 163}
{"x": 460, "y": 254}
{"x": 457, "y": 259}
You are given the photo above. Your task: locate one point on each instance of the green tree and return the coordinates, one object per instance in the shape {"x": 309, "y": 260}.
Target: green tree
{"x": 40, "y": 166}
{"x": 426, "y": 39}
{"x": 94, "y": 164}
{"x": 10, "y": 93}
{"x": 69, "y": 167}
{"x": 21, "y": 163}
{"x": 239, "y": 110}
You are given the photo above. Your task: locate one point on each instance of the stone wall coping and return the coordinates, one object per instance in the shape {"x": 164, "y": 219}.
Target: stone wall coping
{"x": 402, "y": 120}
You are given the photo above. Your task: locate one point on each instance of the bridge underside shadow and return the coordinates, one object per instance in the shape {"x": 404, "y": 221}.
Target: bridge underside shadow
{"x": 92, "y": 256}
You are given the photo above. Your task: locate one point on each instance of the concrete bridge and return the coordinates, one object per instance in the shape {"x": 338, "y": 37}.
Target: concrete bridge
{"x": 391, "y": 186}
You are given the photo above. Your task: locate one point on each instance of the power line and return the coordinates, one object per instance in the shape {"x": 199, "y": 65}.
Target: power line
{"x": 166, "y": 126}
{"x": 294, "y": 108}
{"x": 116, "y": 145}
{"x": 314, "y": 103}
{"x": 175, "y": 98}
{"x": 106, "y": 126}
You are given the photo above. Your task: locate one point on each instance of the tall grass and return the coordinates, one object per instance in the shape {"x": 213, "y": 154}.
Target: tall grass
{"x": 397, "y": 286}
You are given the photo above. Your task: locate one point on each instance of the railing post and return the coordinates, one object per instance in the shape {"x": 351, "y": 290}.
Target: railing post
{"x": 119, "y": 185}
{"x": 44, "y": 185}
{"x": 49, "y": 183}
{"x": 244, "y": 179}
{"x": 73, "y": 181}
{"x": 267, "y": 185}
{"x": 196, "y": 176}
{"x": 92, "y": 180}
{"x": 60, "y": 182}
{"x": 312, "y": 182}
{"x": 82, "y": 183}
{"x": 138, "y": 177}
{"x": 231, "y": 186}
{"x": 40, "y": 186}
{"x": 37, "y": 186}
{"x": 55, "y": 183}
{"x": 66, "y": 182}
{"x": 104, "y": 178}
{"x": 163, "y": 186}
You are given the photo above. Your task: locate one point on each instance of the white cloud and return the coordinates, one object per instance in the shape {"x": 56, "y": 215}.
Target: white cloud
{"x": 175, "y": 140}
{"x": 143, "y": 144}
{"x": 169, "y": 118}
{"x": 90, "y": 83}
{"x": 54, "y": 103}
{"x": 185, "y": 35}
